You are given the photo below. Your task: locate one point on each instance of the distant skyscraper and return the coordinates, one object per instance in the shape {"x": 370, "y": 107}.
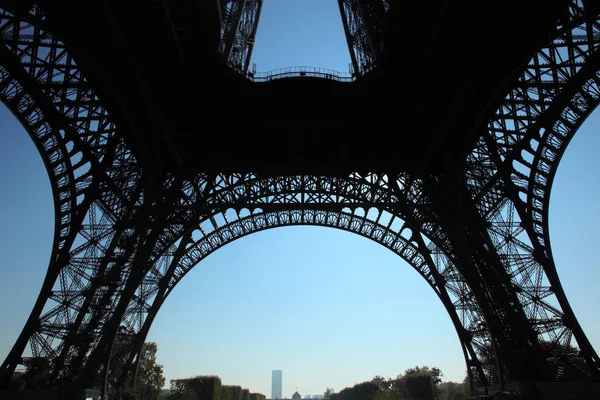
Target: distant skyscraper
{"x": 276, "y": 379}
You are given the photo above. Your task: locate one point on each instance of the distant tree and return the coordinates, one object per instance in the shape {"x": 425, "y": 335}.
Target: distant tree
{"x": 436, "y": 373}
{"x": 149, "y": 378}
{"x": 465, "y": 387}
{"x": 419, "y": 386}
{"x": 365, "y": 390}
{"x": 396, "y": 390}
{"x": 202, "y": 387}
{"x": 450, "y": 391}
{"x": 231, "y": 392}
{"x": 382, "y": 383}
{"x": 36, "y": 374}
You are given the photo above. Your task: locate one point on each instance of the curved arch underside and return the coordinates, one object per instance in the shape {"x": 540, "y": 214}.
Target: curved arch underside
{"x": 404, "y": 241}
{"x": 124, "y": 238}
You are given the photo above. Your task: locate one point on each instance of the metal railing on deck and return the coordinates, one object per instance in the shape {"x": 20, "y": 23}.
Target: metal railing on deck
{"x": 296, "y": 72}
{"x": 301, "y": 72}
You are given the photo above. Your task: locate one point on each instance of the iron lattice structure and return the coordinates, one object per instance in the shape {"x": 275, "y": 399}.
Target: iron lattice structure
{"x": 363, "y": 22}
{"x": 239, "y": 24}
{"x": 127, "y": 231}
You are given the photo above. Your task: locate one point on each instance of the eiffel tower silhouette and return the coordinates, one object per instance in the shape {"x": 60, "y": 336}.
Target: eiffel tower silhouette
{"x": 162, "y": 145}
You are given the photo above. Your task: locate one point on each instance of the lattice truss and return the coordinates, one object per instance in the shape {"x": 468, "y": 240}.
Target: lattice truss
{"x": 248, "y": 204}
{"x": 239, "y": 22}
{"x": 124, "y": 241}
{"x": 363, "y": 21}
{"x": 92, "y": 174}
{"x": 511, "y": 170}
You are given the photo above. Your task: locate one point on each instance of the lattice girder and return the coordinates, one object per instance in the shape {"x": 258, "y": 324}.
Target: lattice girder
{"x": 117, "y": 246}
{"x": 229, "y": 190}
{"x": 211, "y": 236}
{"x": 516, "y": 160}
{"x": 238, "y": 31}
{"x": 44, "y": 88}
{"x": 363, "y": 22}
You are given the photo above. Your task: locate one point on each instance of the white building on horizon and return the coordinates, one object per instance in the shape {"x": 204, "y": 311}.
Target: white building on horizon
{"x": 276, "y": 384}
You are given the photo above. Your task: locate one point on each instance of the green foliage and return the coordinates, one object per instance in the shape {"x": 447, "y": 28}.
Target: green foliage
{"x": 451, "y": 391}
{"x": 245, "y": 394}
{"x": 257, "y": 396}
{"x": 236, "y": 392}
{"x": 196, "y": 388}
{"x": 382, "y": 383}
{"x": 419, "y": 385}
{"x": 435, "y": 373}
{"x": 226, "y": 392}
{"x": 465, "y": 387}
{"x": 362, "y": 391}
{"x": 422, "y": 382}
{"x": 231, "y": 392}
{"x": 365, "y": 390}
{"x": 37, "y": 373}
{"x": 149, "y": 377}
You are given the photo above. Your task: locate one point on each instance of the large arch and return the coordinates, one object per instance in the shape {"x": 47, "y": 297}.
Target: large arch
{"x": 550, "y": 98}
{"x": 105, "y": 248}
{"x": 43, "y": 86}
{"x": 406, "y": 242}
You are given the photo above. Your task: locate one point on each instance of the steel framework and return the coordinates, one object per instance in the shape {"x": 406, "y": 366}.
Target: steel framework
{"x": 363, "y": 22}
{"x": 239, "y": 24}
{"x": 124, "y": 237}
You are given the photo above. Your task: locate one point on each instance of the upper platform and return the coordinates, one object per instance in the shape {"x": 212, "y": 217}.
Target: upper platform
{"x": 445, "y": 67}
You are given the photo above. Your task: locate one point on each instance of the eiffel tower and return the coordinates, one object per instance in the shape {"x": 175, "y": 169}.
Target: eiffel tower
{"x": 162, "y": 146}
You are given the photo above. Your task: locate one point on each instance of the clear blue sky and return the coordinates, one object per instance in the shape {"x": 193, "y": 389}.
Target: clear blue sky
{"x": 327, "y": 307}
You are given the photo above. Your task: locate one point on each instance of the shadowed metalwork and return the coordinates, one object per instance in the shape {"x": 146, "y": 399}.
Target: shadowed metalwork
{"x": 464, "y": 201}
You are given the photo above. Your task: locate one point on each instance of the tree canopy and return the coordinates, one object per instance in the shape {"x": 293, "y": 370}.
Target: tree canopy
{"x": 436, "y": 374}
{"x": 149, "y": 379}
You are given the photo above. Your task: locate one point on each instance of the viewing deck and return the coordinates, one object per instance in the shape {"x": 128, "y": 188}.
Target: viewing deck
{"x": 298, "y": 72}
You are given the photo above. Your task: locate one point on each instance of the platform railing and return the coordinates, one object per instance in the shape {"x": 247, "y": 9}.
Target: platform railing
{"x": 297, "y": 72}
{"x": 301, "y": 72}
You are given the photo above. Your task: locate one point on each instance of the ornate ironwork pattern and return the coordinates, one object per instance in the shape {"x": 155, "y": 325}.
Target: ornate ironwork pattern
{"x": 239, "y": 24}
{"x": 377, "y": 225}
{"x": 125, "y": 238}
{"x": 362, "y": 21}
{"x": 511, "y": 170}
{"x": 91, "y": 172}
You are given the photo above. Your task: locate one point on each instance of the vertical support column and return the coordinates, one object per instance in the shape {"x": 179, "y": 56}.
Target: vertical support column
{"x": 516, "y": 343}
{"x": 349, "y": 37}
{"x": 466, "y": 344}
{"x": 127, "y": 373}
{"x": 232, "y": 24}
{"x": 372, "y": 12}
{"x": 51, "y": 331}
{"x": 252, "y": 27}
{"x": 157, "y": 228}
{"x": 545, "y": 259}
{"x": 363, "y": 26}
{"x": 240, "y": 23}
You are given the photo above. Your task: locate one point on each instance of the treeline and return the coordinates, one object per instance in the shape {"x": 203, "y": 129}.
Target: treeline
{"x": 404, "y": 388}
{"x": 209, "y": 387}
{"x": 422, "y": 383}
